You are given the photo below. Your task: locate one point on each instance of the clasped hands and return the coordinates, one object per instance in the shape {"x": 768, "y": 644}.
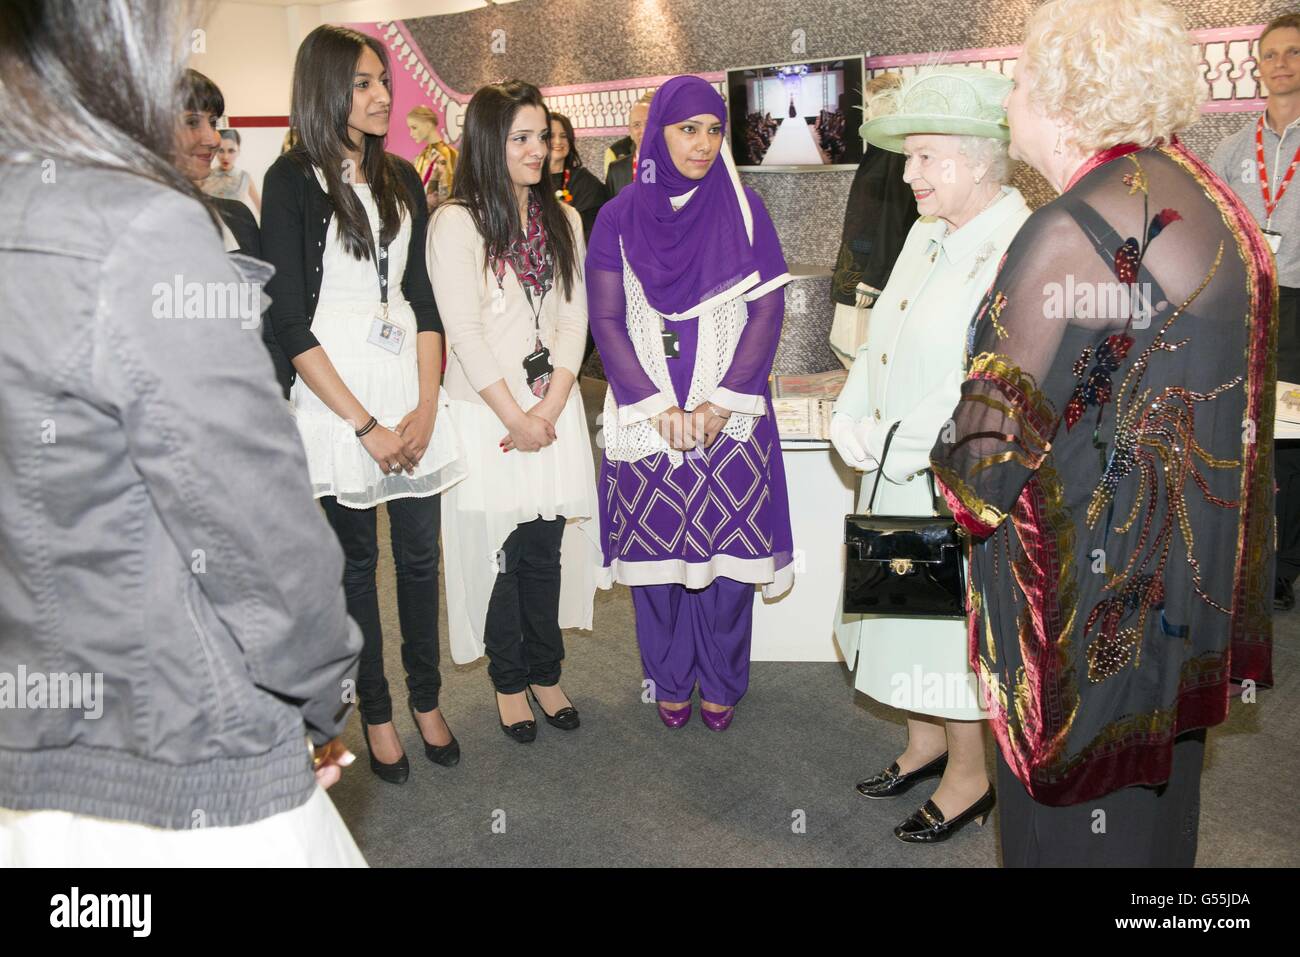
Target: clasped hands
{"x": 401, "y": 449}
{"x": 698, "y": 428}
{"x": 534, "y": 430}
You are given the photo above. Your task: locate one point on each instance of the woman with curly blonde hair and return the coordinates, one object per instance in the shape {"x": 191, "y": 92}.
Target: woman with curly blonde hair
{"x": 1111, "y": 452}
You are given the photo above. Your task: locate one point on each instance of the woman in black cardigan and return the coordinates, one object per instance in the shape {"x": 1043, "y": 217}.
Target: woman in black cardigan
{"x": 340, "y": 219}
{"x": 573, "y": 183}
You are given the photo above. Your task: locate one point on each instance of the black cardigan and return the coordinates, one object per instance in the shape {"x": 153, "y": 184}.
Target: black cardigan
{"x": 588, "y": 195}
{"x": 239, "y": 220}
{"x": 295, "y": 220}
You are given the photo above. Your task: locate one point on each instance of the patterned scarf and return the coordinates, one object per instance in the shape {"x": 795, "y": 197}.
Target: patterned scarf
{"x": 528, "y": 255}
{"x": 529, "y": 258}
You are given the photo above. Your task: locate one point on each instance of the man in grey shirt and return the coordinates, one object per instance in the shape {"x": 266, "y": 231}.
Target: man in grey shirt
{"x": 1274, "y": 199}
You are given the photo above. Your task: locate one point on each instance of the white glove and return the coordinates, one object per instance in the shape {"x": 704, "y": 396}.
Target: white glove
{"x": 848, "y": 443}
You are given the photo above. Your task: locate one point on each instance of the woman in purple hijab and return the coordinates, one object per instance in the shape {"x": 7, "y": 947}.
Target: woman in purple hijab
{"x": 685, "y": 301}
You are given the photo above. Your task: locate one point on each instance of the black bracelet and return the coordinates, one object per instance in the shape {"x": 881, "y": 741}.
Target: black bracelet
{"x": 367, "y": 427}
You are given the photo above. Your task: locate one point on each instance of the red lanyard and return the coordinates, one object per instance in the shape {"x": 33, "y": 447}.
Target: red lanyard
{"x": 1270, "y": 204}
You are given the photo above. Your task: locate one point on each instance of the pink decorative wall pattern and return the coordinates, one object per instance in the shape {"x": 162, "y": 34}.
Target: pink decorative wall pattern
{"x": 1228, "y": 65}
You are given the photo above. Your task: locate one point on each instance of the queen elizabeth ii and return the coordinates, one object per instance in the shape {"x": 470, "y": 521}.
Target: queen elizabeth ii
{"x": 950, "y": 126}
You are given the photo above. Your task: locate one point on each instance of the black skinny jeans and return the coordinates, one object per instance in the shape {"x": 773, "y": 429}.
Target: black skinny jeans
{"x": 522, "y": 633}
{"x": 414, "y": 524}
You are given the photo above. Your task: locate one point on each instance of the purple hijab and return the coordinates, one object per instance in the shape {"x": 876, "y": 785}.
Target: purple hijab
{"x": 688, "y": 257}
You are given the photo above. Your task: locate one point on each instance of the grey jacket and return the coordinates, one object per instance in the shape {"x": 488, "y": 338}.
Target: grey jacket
{"x": 159, "y": 543}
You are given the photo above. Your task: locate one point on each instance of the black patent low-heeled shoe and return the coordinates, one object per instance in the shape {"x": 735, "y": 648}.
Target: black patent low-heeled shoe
{"x": 523, "y": 732}
{"x": 566, "y": 719}
{"x": 447, "y": 755}
{"x": 927, "y": 825}
{"x": 891, "y": 782}
{"x": 395, "y": 773}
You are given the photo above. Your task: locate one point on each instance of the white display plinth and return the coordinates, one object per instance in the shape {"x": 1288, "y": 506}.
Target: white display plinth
{"x": 798, "y": 626}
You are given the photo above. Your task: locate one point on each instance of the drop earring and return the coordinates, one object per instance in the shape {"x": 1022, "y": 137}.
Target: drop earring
{"x": 1060, "y": 135}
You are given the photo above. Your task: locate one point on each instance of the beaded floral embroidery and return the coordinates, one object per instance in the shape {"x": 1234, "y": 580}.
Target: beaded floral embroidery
{"x": 1155, "y": 436}
{"x": 1094, "y": 387}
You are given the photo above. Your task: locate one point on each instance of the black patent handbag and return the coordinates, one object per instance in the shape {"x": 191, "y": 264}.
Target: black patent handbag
{"x": 903, "y": 566}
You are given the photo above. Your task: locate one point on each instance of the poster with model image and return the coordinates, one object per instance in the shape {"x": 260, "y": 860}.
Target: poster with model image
{"x": 797, "y": 116}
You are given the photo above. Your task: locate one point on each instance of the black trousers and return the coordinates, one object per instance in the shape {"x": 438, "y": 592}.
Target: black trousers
{"x": 414, "y": 524}
{"x": 522, "y": 633}
{"x": 1136, "y": 826}
{"x": 1286, "y": 453}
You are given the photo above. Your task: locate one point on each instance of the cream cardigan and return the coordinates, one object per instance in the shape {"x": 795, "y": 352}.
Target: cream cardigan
{"x": 489, "y": 340}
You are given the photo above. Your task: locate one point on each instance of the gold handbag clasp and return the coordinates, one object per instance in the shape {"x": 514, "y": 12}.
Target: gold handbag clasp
{"x": 900, "y": 566}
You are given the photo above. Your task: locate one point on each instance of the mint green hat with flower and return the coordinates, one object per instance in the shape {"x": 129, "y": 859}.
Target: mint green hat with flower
{"x": 956, "y": 100}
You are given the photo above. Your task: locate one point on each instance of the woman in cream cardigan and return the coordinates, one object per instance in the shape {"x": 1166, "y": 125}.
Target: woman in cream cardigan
{"x": 506, "y": 260}
{"x": 951, "y": 128}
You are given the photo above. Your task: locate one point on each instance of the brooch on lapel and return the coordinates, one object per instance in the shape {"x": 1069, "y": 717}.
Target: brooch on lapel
{"x": 981, "y": 257}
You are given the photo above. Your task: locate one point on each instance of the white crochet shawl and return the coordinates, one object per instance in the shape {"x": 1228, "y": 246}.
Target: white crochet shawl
{"x": 719, "y": 332}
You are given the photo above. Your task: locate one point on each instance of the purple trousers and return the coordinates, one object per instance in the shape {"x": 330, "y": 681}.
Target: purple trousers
{"x": 690, "y": 635}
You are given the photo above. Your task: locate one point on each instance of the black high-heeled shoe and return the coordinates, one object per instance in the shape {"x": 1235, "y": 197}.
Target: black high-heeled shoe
{"x": 395, "y": 773}
{"x": 566, "y": 719}
{"x": 891, "y": 782}
{"x": 447, "y": 755}
{"x": 927, "y": 825}
{"x": 523, "y": 732}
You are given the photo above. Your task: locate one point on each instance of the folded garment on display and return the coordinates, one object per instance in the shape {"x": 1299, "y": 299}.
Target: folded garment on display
{"x": 803, "y": 403}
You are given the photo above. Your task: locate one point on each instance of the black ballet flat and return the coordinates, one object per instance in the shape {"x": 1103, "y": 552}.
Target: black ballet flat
{"x": 524, "y": 732}
{"x": 891, "y": 783}
{"x": 395, "y": 773}
{"x": 566, "y": 719}
{"x": 446, "y": 755}
{"x": 927, "y": 825}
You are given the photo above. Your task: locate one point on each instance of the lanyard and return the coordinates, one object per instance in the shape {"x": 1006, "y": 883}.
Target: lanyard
{"x": 499, "y": 270}
{"x": 381, "y": 267}
{"x": 1270, "y": 203}
{"x": 537, "y": 310}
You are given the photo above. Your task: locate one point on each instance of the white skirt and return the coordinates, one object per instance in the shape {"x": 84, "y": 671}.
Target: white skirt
{"x": 310, "y": 835}
{"x": 388, "y": 385}
{"x": 503, "y": 491}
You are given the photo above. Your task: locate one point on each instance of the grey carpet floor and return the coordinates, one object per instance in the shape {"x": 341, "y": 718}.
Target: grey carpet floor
{"x": 775, "y": 789}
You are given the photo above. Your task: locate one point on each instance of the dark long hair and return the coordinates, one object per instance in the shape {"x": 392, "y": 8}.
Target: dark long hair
{"x": 322, "y": 101}
{"x": 98, "y": 84}
{"x": 483, "y": 186}
{"x": 573, "y": 160}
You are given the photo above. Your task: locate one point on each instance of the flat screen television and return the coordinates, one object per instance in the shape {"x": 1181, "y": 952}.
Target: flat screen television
{"x": 796, "y": 116}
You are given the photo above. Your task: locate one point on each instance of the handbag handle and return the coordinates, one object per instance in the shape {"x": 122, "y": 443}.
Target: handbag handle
{"x": 884, "y": 454}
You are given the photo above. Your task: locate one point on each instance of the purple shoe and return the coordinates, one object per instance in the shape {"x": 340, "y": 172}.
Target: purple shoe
{"x": 718, "y": 720}
{"x": 675, "y": 719}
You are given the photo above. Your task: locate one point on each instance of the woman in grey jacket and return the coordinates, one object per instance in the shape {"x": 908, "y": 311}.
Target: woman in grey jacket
{"x": 173, "y": 640}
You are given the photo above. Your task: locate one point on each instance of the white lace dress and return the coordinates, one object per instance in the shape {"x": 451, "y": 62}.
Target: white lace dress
{"x": 387, "y": 384}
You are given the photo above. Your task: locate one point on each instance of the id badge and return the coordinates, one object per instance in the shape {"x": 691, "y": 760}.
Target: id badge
{"x": 537, "y": 365}
{"x": 672, "y": 348}
{"x": 386, "y": 336}
{"x": 1274, "y": 240}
